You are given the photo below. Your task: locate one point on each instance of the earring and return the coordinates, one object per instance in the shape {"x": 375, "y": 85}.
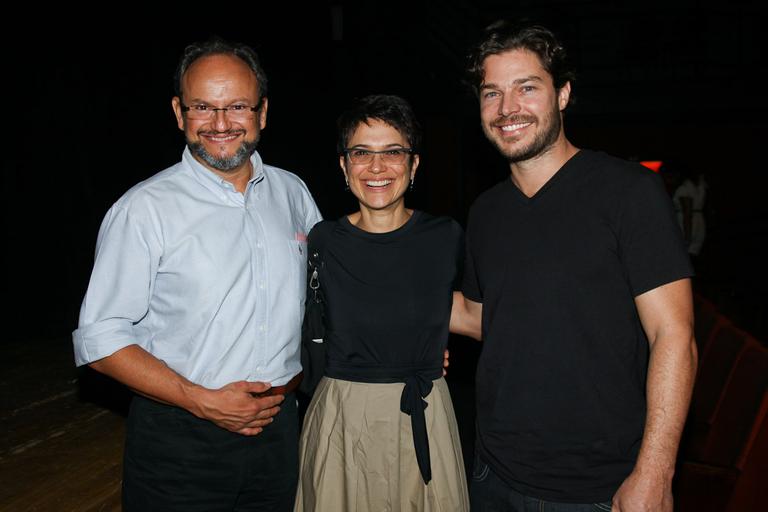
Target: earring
{"x": 346, "y": 182}
{"x": 411, "y": 187}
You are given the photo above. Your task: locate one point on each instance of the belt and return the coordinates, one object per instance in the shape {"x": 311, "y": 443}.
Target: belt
{"x": 285, "y": 388}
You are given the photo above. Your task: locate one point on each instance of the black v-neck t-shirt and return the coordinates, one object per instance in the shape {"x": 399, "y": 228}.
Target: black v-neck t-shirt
{"x": 561, "y": 378}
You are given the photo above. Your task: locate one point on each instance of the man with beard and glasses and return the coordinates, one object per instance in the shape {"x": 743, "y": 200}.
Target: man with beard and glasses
{"x": 195, "y": 303}
{"x": 577, "y": 269}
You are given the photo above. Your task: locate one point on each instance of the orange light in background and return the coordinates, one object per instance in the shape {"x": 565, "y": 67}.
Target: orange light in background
{"x": 653, "y": 165}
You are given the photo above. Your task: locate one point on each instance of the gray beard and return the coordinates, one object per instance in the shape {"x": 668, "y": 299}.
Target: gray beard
{"x": 225, "y": 164}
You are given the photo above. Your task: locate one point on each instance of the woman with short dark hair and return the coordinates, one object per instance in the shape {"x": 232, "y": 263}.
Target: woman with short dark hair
{"x": 380, "y": 433}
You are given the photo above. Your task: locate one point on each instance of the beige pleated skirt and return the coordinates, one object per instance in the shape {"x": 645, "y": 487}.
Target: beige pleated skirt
{"x": 356, "y": 452}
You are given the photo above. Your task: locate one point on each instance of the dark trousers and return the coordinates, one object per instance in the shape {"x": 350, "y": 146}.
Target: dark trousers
{"x": 489, "y": 493}
{"x": 176, "y": 461}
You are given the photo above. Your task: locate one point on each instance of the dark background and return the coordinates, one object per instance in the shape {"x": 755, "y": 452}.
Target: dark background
{"x": 90, "y": 116}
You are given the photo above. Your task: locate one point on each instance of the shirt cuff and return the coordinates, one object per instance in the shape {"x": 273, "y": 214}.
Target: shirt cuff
{"x": 102, "y": 339}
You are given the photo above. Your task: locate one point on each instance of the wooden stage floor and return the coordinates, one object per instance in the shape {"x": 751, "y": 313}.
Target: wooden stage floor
{"x": 61, "y": 432}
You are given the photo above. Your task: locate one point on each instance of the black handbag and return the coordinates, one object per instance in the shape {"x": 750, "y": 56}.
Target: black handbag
{"x": 313, "y": 327}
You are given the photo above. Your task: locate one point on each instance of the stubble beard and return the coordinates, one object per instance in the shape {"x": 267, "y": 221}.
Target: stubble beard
{"x": 541, "y": 143}
{"x": 225, "y": 163}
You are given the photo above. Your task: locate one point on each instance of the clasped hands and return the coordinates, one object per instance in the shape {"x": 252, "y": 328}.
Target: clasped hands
{"x": 242, "y": 407}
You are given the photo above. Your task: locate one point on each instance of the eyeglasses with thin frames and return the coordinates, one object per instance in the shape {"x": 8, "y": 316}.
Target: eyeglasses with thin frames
{"x": 234, "y": 112}
{"x": 394, "y": 156}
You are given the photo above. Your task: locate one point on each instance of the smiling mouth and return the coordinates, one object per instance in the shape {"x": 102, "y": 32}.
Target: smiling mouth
{"x": 377, "y": 183}
{"x": 222, "y": 137}
{"x": 508, "y": 128}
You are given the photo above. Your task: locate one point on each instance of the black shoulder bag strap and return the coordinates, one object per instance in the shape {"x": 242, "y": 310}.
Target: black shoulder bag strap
{"x": 313, "y": 326}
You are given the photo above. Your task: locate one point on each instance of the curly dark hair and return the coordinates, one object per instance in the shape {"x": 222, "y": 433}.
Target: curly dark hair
{"x": 505, "y": 35}
{"x": 219, "y": 46}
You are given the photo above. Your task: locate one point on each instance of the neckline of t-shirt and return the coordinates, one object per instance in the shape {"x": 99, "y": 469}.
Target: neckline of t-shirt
{"x": 559, "y": 176}
{"x": 389, "y": 234}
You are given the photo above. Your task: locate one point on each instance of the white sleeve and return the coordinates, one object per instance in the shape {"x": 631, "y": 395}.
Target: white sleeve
{"x": 127, "y": 258}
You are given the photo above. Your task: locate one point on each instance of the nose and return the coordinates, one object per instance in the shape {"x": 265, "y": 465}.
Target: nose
{"x": 508, "y": 105}
{"x": 220, "y": 121}
{"x": 377, "y": 164}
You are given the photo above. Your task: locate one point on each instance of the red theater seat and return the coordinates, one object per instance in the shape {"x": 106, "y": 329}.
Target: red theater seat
{"x": 728, "y": 469}
{"x": 706, "y": 322}
{"x": 716, "y": 366}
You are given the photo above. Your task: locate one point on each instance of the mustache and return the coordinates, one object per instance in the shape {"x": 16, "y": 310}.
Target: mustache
{"x": 514, "y": 118}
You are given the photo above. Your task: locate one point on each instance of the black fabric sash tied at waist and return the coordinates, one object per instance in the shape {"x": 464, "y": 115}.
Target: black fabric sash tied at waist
{"x": 418, "y": 385}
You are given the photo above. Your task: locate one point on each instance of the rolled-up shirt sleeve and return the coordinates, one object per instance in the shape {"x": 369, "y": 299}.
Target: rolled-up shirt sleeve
{"x": 125, "y": 266}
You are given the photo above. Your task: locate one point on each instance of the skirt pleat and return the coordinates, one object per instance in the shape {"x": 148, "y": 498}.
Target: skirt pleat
{"x": 357, "y": 454}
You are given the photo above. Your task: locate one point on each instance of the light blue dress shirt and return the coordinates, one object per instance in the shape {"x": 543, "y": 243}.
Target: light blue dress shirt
{"x": 207, "y": 279}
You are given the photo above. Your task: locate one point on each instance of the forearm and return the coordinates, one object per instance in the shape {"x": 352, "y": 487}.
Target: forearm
{"x": 466, "y": 317}
{"x": 238, "y": 407}
{"x": 666, "y": 314}
{"x": 671, "y": 373}
{"x": 150, "y": 377}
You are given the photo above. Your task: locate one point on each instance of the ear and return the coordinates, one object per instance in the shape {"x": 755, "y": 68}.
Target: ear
{"x": 343, "y": 165}
{"x": 414, "y": 165}
{"x": 263, "y": 113}
{"x": 564, "y": 95}
{"x": 176, "y": 105}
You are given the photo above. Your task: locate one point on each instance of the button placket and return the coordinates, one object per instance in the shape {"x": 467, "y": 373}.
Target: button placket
{"x": 259, "y": 266}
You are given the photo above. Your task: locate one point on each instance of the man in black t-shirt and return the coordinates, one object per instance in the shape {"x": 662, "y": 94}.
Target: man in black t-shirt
{"x": 577, "y": 269}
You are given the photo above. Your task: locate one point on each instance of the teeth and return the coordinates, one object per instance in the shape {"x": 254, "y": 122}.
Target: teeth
{"x": 513, "y": 127}
{"x": 378, "y": 183}
{"x": 220, "y": 137}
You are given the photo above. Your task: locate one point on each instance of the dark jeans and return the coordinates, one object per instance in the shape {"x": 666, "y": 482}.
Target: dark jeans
{"x": 488, "y": 493}
{"x": 176, "y": 461}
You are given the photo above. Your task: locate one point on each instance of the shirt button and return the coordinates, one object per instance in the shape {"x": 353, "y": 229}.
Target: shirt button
{"x": 261, "y": 328}
{"x": 258, "y": 245}
{"x": 261, "y": 286}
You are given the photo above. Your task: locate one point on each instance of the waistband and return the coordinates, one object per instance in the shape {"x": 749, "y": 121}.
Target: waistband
{"x": 286, "y": 388}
